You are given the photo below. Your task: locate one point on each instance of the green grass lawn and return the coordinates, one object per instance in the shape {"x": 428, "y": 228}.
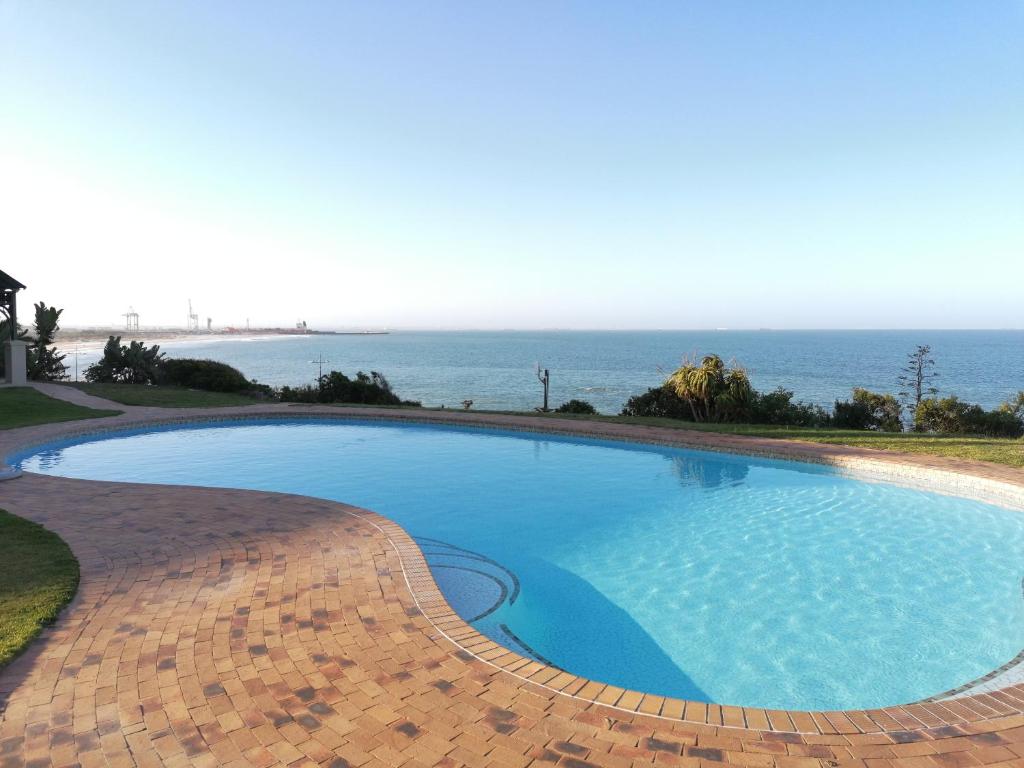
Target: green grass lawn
{"x": 998, "y": 450}
{"x": 164, "y": 396}
{"x": 39, "y": 577}
{"x": 24, "y": 407}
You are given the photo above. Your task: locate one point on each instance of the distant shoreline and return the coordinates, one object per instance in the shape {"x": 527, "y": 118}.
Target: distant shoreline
{"x": 88, "y": 339}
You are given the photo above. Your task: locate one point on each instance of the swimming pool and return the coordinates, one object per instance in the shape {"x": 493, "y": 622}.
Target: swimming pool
{"x": 705, "y": 576}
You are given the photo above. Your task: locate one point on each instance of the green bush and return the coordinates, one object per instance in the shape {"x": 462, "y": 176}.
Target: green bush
{"x": 44, "y": 362}
{"x": 851, "y": 415}
{"x": 576, "y": 406}
{"x": 952, "y": 416}
{"x": 336, "y": 387}
{"x": 658, "y": 401}
{"x": 1014, "y": 406}
{"x": 777, "y": 408}
{"x": 868, "y": 410}
{"x": 209, "y": 375}
{"x": 134, "y": 364}
{"x": 998, "y": 423}
{"x": 711, "y": 391}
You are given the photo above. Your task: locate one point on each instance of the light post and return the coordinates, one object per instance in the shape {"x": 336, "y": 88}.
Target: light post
{"x": 544, "y": 379}
{"x": 320, "y": 362}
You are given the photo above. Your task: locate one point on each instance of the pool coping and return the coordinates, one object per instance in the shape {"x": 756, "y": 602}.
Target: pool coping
{"x": 1002, "y": 485}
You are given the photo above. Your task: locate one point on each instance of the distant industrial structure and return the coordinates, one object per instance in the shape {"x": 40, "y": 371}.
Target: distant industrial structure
{"x": 132, "y": 325}
{"x": 131, "y": 319}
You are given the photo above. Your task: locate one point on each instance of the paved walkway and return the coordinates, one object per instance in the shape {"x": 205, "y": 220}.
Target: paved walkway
{"x": 74, "y": 395}
{"x": 218, "y": 627}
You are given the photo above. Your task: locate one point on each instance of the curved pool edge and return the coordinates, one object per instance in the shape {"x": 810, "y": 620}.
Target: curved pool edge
{"x": 925, "y": 717}
{"x": 914, "y": 716}
{"x": 977, "y": 480}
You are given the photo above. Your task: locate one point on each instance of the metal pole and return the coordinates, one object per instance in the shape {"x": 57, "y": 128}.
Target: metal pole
{"x": 320, "y": 360}
{"x": 545, "y": 380}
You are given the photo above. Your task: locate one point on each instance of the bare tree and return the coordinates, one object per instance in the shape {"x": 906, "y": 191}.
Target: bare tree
{"x": 917, "y": 377}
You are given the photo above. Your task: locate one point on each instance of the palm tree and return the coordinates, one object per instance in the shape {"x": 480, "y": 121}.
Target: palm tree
{"x": 681, "y": 381}
{"x": 702, "y": 385}
{"x": 708, "y": 382}
{"x": 733, "y": 404}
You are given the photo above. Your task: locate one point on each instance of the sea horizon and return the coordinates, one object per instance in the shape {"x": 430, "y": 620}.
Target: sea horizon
{"x": 495, "y": 368}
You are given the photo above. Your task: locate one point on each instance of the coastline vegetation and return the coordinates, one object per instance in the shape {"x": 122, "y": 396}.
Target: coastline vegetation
{"x": 706, "y": 395}
{"x": 39, "y": 577}
{"x": 132, "y": 364}
{"x": 187, "y": 382}
{"x": 576, "y": 406}
{"x": 336, "y": 387}
{"x": 710, "y": 392}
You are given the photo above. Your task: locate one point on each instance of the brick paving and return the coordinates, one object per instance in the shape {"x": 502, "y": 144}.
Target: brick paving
{"x": 223, "y": 627}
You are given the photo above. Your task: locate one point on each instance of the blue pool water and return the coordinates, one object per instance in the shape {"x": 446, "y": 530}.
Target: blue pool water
{"x": 704, "y": 576}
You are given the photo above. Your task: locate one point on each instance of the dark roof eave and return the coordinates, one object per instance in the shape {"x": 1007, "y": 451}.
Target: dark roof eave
{"x": 9, "y": 283}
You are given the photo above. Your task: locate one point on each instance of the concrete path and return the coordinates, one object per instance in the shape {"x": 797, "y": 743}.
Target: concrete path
{"x": 74, "y": 395}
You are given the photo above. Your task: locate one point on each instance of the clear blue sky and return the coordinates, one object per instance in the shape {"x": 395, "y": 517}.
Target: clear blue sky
{"x": 495, "y": 165}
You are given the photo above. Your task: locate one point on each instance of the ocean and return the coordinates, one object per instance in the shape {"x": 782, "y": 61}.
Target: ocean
{"x": 496, "y": 369}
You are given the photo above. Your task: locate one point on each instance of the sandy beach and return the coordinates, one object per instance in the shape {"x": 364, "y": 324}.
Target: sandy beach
{"x": 93, "y": 339}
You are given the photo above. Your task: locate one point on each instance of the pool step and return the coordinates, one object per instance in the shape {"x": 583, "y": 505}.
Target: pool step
{"x": 476, "y": 586}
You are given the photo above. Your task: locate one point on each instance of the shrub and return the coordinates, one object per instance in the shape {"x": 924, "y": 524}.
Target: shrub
{"x": 869, "y": 410}
{"x": 44, "y": 362}
{"x": 950, "y": 415}
{"x": 336, "y": 387}
{"x": 777, "y": 408}
{"x": 851, "y": 415}
{"x": 1014, "y": 406}
{"x": 134, "y": 364}
{"x": 998, "y": 423}
{"x": 203, "y": 374}
{"x": 576, "y": 406}
{"x": 658, "y": 401}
